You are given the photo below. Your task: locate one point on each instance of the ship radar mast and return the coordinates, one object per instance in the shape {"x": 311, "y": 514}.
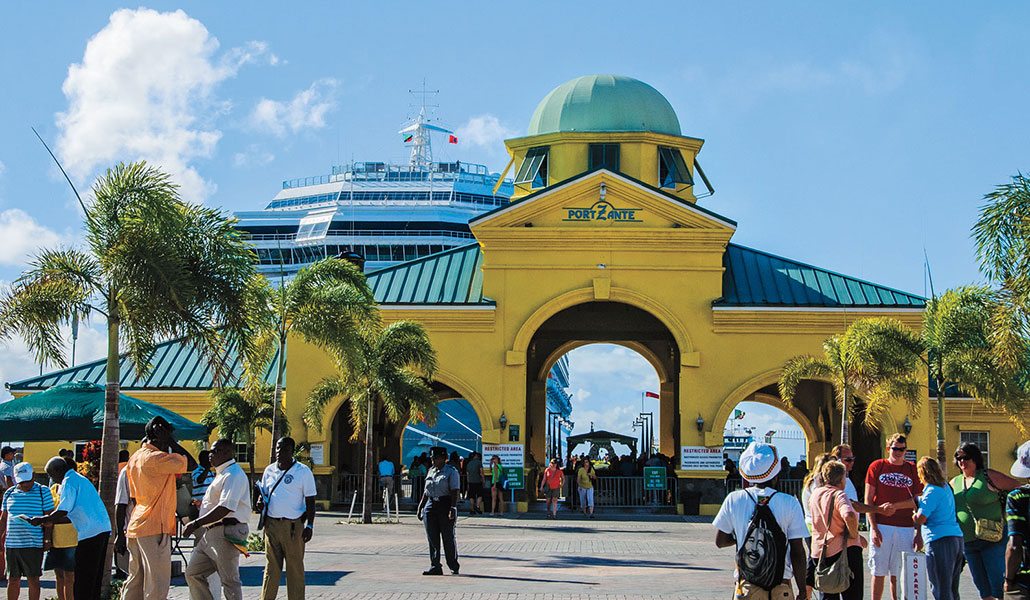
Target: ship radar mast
{"x": 418, "y": 132}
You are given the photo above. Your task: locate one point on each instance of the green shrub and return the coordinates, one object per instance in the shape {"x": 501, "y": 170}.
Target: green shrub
{"x": 255, "y": 542}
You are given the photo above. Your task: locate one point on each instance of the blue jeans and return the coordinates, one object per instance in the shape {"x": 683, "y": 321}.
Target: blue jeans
{"x": 944, "y": 566}
{"x": 987, "y": 564}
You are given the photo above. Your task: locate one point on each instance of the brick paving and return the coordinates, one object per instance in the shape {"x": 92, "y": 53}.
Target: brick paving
{"x": 524, "y": 557}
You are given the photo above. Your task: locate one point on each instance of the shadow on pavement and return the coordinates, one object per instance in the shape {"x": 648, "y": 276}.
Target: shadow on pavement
{"x": 533, "y": 579}
{"x": 572, "y": 560}
{"x": 251, "y": 576}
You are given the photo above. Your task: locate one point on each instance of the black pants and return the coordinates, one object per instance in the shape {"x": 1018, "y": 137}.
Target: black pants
{"x": 89, "y": 566}
{"x": 440, "y": 526}
{"x": 857, "y": 587}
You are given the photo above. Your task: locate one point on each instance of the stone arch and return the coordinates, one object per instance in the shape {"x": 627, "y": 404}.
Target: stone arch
{"x": 641, "y": 349}
{"x": 615, "y": 294}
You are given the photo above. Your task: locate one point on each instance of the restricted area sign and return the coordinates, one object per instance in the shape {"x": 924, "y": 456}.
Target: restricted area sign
{"x": 654, "y": 478}
{"x": 513, "y": 462}
{"x": 701, "y": 458}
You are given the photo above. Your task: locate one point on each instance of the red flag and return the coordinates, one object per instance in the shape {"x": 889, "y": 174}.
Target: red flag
{"x": 652, "y": 395}
{"x": 452, "y": 139}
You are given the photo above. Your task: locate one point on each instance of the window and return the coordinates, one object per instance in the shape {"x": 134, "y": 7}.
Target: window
{"x": 604, "y": 156}
{"x": 244, "y": 452}
{"x": 315, "y": 225}
{"x": 672, "y": 170}
{"x": 982, "y": 441}
{"x": 534, "y": 169}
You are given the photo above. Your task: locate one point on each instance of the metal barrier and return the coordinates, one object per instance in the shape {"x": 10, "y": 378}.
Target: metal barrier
{"x": 624, "y": 492}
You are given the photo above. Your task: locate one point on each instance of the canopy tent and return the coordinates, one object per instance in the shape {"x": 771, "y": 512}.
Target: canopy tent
{"x": 602, "y": 439}
{"x": 75, "y": 411}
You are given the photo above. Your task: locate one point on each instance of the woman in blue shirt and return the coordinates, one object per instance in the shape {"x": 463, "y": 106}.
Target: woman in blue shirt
{"x": 941, "y": 532}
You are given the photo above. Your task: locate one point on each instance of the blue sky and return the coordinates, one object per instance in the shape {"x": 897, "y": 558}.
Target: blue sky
{"x": 852, "y": 139}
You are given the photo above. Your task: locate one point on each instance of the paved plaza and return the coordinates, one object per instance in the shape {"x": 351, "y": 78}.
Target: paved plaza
{"x": 524, "y": 557}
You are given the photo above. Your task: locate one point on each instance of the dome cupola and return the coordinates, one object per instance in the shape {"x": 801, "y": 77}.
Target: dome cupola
{"x": 604, "y": 103}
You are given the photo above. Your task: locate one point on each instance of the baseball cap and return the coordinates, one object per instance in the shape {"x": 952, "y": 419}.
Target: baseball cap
{"x": 1021, "y": 468}
{"x": 759, "y": 463}
{"x": 22, "y": 472}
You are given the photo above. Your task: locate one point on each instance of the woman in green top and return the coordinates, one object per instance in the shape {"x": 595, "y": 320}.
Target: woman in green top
{"x": 979, "y": 492}
{"x": 585, "y": 478}
{"x": 496, "y": 485}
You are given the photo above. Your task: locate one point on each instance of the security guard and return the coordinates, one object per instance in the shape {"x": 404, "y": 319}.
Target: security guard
{"x": 438, "y": 509}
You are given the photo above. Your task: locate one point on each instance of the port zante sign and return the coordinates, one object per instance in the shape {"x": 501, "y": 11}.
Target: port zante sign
{"x": 700, "y": 458}
{"x": 602, "y": 210}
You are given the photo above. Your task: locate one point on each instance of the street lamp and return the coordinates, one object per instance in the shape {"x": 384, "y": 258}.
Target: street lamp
{"x": 700, "y": 422}
{"x": 907, "y": 426}
{"x": 503, "y": 421}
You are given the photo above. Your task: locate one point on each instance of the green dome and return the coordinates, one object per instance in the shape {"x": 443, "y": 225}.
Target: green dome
{"x": 604, "y": 103}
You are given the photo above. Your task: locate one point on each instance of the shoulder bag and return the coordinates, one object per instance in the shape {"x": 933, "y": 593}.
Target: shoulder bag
{"x": 984, "y": 529}
{"x": 836, "y": 577}
{"x": 267, "y": 499}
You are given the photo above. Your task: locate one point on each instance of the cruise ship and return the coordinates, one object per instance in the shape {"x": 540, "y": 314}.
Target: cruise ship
{"x": 386, "y": 213}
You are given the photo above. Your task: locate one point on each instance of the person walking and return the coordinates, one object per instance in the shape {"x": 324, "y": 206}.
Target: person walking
{"x": 386, "y": 474}
{"x": 223, "y": 523}
{"x": 24, "y": 543}
{"x": 979, "y": 496}
{"x": 893, "y": 482}
{"x": 61, "y": 557}
{"x": 551, "y": 487}
{"x": 201, "y": 477}
{"x": 151, "y": 472}
{"x": 6, "y": 481}
{"x": 438, "y": 510}
{"x": 496, "y": 485}
{"x": 1017, "y": 516}
{"x": 586, "y": 475}
{"x": 835, "y": 527}
{"x": 785, "y": 558}
{"x": 81, "y": 503}
{"x": 288, "y": 501}
{"x": 474, "y": 470}
{"x": 941, "y": 533}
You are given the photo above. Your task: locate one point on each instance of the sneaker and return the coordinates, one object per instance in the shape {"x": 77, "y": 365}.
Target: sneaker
{"x": 454, "y": 571}
{"x": 433, "y": 571}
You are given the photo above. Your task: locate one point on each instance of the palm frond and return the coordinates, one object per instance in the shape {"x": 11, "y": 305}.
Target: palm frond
{"x": 319, "y": 398}
{"x": 796, "y": 370}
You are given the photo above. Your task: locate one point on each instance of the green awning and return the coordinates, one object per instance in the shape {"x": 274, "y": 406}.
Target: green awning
{"x": 75, "y": 411}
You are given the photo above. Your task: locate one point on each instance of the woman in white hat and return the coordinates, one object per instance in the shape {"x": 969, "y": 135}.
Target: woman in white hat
{"x": 1017, "y": 513}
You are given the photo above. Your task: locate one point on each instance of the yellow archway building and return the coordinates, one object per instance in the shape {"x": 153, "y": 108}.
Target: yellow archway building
{"x": 605, "y": 241}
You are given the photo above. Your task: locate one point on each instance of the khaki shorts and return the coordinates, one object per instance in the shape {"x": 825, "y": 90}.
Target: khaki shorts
{"x": 552, "y": 493}
{"x": 749, "y": 591}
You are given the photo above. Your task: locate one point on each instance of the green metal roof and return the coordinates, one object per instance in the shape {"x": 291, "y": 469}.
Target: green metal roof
{"x": 177, "y": 365}
{"x": 604, "y": 103}
{"x": 450, "y": 277}
{"x": 755, "y": 278}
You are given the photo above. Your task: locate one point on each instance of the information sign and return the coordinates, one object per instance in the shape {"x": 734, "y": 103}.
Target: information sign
{"x": 911, "y": 456}
{"x": 318, "y": 454}
{"x": 515, "y": 478}
{"x": 701, "y": 458}
{"x": 513, "y": 462}
{"x": 654, "y": 478}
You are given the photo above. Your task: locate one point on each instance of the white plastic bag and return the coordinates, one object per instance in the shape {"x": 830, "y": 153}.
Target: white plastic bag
{"x": 913, "y": 576}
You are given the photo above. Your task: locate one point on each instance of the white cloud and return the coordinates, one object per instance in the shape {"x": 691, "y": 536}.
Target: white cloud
{"x": 306, "y": 110}
{"x": 144, "y": 90}
{"x": 485, "y": 131}
{"x": 608, "y": 381}
{"x": 253, "y": 156}
{"x": 3, "y": 167}
{"x": 22, "y": 236}
{"x": 17, "y": 361}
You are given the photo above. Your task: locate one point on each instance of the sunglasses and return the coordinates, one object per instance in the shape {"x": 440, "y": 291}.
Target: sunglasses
{"x": 896, "y": 449}
{"x": 850, "y": 459}
{"x": 959, "y": 459}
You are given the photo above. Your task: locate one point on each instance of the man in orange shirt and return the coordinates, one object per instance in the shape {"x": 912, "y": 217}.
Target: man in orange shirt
{"x": 152, "y": 471}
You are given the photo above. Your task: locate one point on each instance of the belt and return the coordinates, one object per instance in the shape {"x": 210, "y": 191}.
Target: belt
{"x": 285, "y": 518}
{"x": 228, "y": 521}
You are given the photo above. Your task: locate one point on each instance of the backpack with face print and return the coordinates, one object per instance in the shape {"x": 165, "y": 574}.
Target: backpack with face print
{"x": 762, "y": 556}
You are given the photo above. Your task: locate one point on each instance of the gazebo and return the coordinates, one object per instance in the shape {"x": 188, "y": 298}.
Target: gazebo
{"x": 600, "y": 439}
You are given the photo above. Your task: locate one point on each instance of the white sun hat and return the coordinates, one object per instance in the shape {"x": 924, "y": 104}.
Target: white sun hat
{"x": 1021, "y": 468}
{"x": 759, "y": 463}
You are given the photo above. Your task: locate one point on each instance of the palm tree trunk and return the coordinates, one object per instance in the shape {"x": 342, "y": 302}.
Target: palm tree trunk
{"x": 277, "y": 399}
{"x": 940, "y": 426}
{"x": 110, "y": 440}
{"x": 366, "y": 485}
{"x": 845, "y": 432}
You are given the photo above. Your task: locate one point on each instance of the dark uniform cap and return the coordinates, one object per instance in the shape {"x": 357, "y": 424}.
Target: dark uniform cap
{"x": 438, "y": 451}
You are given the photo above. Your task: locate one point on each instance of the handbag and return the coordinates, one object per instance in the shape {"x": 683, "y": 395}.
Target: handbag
{"x": 833, "y": 578}
{"x": 984, "y": 529}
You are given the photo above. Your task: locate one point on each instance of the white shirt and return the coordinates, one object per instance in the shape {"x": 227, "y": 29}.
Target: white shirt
{"x": 230, "y": 488}
{"x": 735, "y": 516}
{"x": 122, "y": 496}
{"x": 849, "y": 490}
{"x": 290, "y": 498}
{"x": 85, "y": 509}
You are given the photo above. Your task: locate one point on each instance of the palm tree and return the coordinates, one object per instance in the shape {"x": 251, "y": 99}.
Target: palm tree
{"x": 390, "y": 372}
{"x": 155, "y": 267}
{"x": 327, "y": 303}
{"x": 240, "y": 413}
{"x": 874, "y": 359}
